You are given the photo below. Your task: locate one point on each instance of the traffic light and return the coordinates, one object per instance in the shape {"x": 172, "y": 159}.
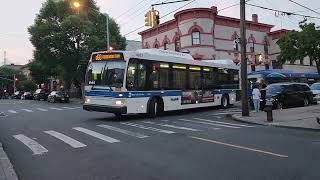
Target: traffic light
{"x": 148, "y": 18}
{"x": 156, "y": 18}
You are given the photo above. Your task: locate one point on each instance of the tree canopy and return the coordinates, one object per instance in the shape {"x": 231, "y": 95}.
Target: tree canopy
{"x": 296, "y": 45}
{"x": 63, "y": 36}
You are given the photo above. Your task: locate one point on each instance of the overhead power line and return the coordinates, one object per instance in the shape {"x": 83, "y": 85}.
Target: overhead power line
{"x": 284, "y": 12}
{"x": 130, "y": 9}
{"x": 304, "y": 7}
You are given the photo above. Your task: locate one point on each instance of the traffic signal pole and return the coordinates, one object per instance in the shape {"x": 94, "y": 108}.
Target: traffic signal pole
{"x": 243, "y": 43}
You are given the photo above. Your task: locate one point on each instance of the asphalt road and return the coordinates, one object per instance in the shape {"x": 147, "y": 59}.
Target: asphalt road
{"x": 61, "y": 141}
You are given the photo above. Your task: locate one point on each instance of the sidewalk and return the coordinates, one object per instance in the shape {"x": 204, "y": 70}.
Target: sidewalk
{"x": 6, "y": 169}
{"x": 301, "y": 118}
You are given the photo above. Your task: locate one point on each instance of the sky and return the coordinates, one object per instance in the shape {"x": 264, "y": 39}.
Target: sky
{"x": 17, "y": 15}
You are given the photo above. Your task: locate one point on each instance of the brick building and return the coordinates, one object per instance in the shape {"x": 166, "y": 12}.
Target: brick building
{"x": 207, "y": 35}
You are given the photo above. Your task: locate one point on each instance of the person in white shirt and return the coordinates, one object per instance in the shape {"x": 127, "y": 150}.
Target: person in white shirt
{"x": 256, "y": 96}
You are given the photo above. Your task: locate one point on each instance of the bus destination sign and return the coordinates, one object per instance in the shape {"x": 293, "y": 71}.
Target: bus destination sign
{"x": 109, "y": 56}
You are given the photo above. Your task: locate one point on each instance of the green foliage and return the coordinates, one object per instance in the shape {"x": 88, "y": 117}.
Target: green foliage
{"x": 299, "y": 44}
{"x": 27, "y": 85}
{"x": 64, "y": 36}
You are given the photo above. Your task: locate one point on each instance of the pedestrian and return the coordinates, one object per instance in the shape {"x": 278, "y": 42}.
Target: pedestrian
{"x": 256, "y": 96}
{"x": 263, "y": 92}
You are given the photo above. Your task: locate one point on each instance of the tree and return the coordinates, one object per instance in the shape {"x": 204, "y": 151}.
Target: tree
{"x": 63, "y": 36}
{"x": 300, "y": 44}
{"x": 7, "y": 77}
{"x": 27, "y": 85}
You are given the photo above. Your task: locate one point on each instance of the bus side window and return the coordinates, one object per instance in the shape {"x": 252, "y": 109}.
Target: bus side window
{"x": 132, "y": 70}
{"x": 164, "y": 76}
{"x": 141, "y": 76}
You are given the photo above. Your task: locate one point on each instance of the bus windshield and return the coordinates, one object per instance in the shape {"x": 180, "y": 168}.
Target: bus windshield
{"x": 106, "y": 73}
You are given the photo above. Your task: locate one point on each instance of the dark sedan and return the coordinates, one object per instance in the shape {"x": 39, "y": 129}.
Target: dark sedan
{"x": 41, "y": 94}
{"x": 58, "y": 96}
{"x": 17, "y": 94}
{"x": 285, "y": 95}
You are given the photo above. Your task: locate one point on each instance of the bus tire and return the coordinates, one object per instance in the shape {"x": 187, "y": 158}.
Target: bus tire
{"x": 224, "y": 102}
{"x": 153, "y": 108}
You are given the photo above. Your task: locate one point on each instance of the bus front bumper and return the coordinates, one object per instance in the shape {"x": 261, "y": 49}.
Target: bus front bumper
{"x": 103, "y": 108}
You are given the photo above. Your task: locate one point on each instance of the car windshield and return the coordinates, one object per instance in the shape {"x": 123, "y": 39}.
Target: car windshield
{"x": 315, "y": 86}
{"x": 274, "y": 89}
{"x": 106, "y": 73}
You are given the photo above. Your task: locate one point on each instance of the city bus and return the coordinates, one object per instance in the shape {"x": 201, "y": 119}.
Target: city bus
{"x": 152, "y": 81}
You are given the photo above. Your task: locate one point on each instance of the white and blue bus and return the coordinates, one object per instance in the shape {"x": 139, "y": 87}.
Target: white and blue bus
{"x": 153, "y": 81}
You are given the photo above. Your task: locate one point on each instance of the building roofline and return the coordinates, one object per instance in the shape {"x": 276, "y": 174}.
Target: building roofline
{"x": 278, "y": 31}
{"x": 250, "y": 22}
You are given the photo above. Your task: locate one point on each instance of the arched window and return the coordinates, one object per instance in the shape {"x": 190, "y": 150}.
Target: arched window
{"x": 195, "y": 37}
{"x": 156, "y": 46}
{"x": 251, "y": 46}
{"x": 177, "y": 45}
{"x": 165, "y": 45}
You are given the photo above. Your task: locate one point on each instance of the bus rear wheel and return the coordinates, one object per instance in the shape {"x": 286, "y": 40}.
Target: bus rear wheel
{"x": 153, "y": 109}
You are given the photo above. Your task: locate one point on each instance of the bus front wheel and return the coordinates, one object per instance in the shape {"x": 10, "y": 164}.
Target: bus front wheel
{"x": 224, "y": 102}
{"x": 153, "y": 108}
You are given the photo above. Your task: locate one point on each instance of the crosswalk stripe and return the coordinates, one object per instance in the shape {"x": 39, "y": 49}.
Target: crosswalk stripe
{"x": 72, "y": 142}
{"x": 123, "y": 131}
{"x": 68, "y": 108}
{"x": 171, "y": 126}
{"x": 149, "y": 128}
{"x": 219, "y": 122}
{"x": 96, "y": 135}
{"x": 56, "y": 108}
{"x": 41, "y": 109}
{"x": 27, "y": 110}
{"x": 213, "y": 124}
{"x": 35, "y": 147}
{"x": 12, "y": 111}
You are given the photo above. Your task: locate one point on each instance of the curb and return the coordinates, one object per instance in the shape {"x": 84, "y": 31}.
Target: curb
{"x": 6, "y": 169}
{"x": 240, "y": 119}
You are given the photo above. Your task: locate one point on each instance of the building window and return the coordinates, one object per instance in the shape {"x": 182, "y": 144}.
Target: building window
{"x": 266, "y": 48}
{"x": 195, "y": 38}
{"x": 236, "y": 43}
{"x": 252, "y": 47}
{"x": 177, "y": 44}
{"x": 165, "y": 45}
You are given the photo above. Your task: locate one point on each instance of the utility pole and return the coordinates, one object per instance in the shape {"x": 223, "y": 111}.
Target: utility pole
{"x": 14, "y": 83}
{"x": 244, "y": 82}
{"x": 108, "y": 35}
{"x": 4, "y": 57}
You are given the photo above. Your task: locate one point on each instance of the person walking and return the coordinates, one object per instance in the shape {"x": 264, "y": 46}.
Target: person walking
{"x": 256, "y": 95}
{"x": 263, "y": 92}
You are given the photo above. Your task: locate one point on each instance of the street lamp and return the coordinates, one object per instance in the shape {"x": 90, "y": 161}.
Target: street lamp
{"x": 77, "y": 5}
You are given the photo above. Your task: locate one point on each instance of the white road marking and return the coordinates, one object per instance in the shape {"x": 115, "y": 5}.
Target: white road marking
{"x": 12, "y": 111}
{"x": 123, "y": 131}
{"x": 27, "y": 110}
{"x": 171, "y": 126}
{"x": 72, "y": 142}
{"x": 213, "y": 124}
{"x": 67, "y": 108}
{"x": 56, "y": 108}
{"x": 149, "y": 128}
{"x": 241, "y": 147}
{"x": 41, "y": 109}
{"x": 96, "y": 135}
{"x": 219, "y": 122}
{"x": 35, "y": 147}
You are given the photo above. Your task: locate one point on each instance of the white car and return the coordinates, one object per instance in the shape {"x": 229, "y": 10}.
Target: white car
{"x": 316, "y": 91}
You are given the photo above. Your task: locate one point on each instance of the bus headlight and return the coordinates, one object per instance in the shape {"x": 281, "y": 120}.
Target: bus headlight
{"x": 87, "y": 100}
{"x": 119, "y": 102}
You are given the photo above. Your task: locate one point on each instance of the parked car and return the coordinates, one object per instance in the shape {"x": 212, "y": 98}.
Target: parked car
{"x": 27, "y": 95}
{"x": 286, "y": 95}
{"x": 315, "y": 88}
{"x": 58, "y": 96}
{"x": 17, "y": 94}
{"x": 41, "y": 94}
